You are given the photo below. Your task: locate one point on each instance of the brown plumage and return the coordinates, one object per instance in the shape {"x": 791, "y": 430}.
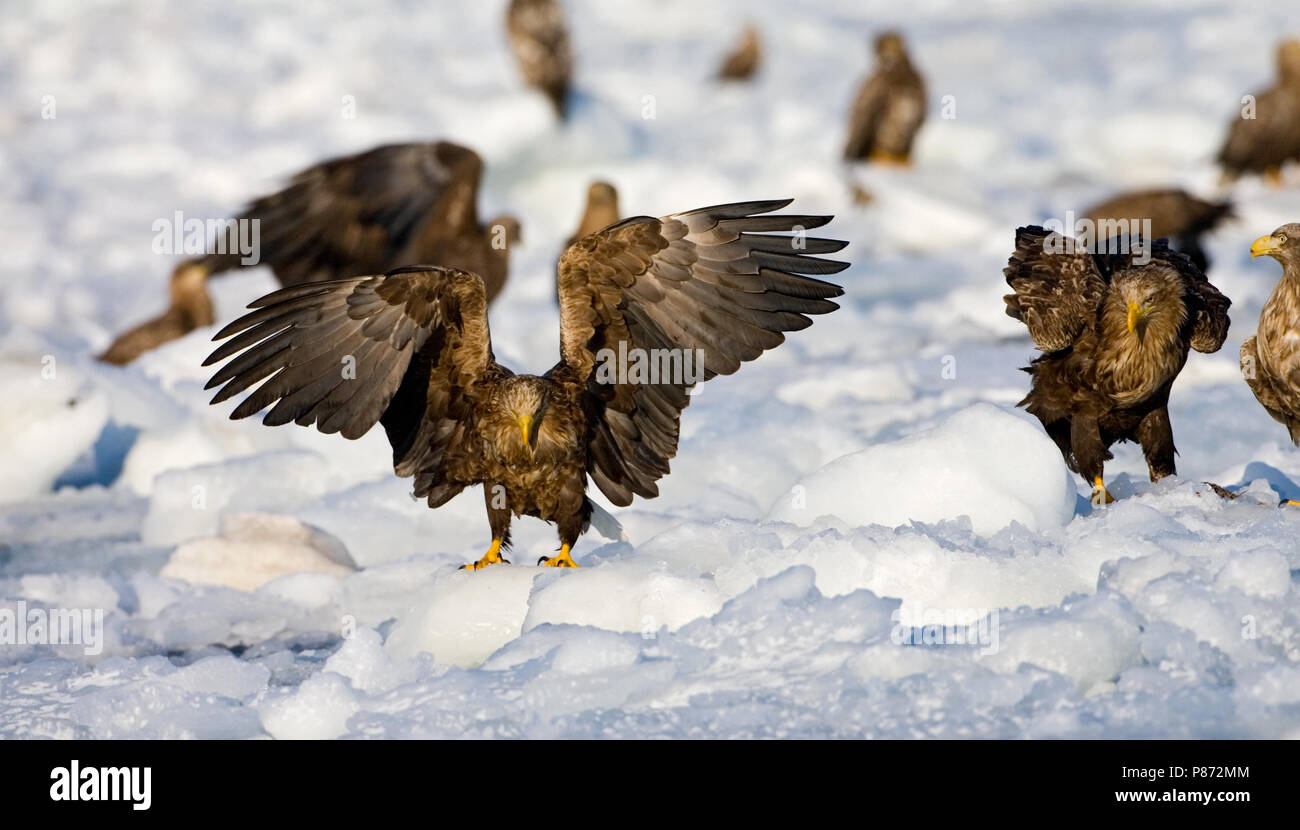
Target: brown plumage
{"x": 1174, "y": 214}
{"x": 889, "y": 107}
{"x": 743, "y": 59}
{"x": 1266, "y": 142}
{"x": 1270, "y": 361}
{"x": 368, "y": 213}
{"x": 1114, "y": 333}
{"x": 540, "y": 41}
{"x": 411, "y": 351}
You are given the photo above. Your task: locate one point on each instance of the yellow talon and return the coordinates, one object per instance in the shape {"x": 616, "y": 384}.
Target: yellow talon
{"x": 1291, "y": 503}
{"x": 492, "y": 557}
{"x": 1100, "y": 495}
{"x": 561, "y": 561}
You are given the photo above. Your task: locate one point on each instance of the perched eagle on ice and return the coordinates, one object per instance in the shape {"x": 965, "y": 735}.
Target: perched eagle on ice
{"x": 410, "y": 350}
{"x": 743, "y": 60}
{"x": 1270, "y": 360}
{"x": 1114, "y": 333}
{"x": 1269, "y": 138}
{"x": 1174, "y": 214}
{"x": 540, "y": 41}
{"x": 360, "y": 214}
{"x": 889, "y": 107}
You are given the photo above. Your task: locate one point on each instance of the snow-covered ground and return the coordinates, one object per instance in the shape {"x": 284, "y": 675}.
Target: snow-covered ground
{"x": 830, "y": 504}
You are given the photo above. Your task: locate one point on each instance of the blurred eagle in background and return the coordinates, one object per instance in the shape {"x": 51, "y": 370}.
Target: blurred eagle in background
{"x": 1175, "y": 215}
{"x": 889, "y": 107}
{"x": 601, "y": 211}
{"x": 1114, "y": 331}
{"x": 360, "y": 214}
{"x": 540, "y": 41}
{"x": 743, "y": 59}
{"x": 411, "y": 350}
{"x": 1270, "y": 361}
{"x": 1266, "y": 134}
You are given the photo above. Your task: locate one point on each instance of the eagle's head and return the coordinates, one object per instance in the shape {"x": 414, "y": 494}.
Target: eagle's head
{"x": 602, "y": 193}
{"x": 1282, "y": 244}
{"x": 1150, "y": 301}
{"x": 516, "y": 414}
{"x": 1143, "y": 322}
{"x": 889, "y": 48}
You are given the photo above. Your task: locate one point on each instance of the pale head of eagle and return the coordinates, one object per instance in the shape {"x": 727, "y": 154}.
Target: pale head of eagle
{"x": 1142, "y": 331}
{"x": 1283, "y": 245}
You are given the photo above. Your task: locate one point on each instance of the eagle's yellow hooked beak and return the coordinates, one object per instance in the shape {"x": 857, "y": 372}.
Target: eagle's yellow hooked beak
{"x": 1137, "y": 318}
{"x": 1263, "y": 246}
{"x": 526, "y": 430}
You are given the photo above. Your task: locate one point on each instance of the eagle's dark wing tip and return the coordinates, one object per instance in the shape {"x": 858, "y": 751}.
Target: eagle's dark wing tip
{"x": 832, "y": 266}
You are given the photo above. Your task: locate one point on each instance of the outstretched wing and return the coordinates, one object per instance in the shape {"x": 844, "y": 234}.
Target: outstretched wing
{"x": 405, "y": 349}
{"x": 1205, "y": 302}
{"x": 709, "y": 289}
{"x": 363, "y": 214}
{"x": 1057, "y": 286}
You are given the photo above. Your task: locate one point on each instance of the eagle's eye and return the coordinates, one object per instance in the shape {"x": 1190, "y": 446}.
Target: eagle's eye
{"x": 1281, "y": 239}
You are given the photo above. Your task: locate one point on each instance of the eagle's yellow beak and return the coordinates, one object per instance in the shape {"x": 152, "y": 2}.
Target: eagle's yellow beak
{"x": 1263, "y": 246}
{"x": 526, "y": 430}
{"x": 1137, "y": 318}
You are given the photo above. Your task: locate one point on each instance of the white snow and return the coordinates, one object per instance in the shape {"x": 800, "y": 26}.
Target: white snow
{"x": 990, "y": 466}
{"x": 260, "y": 582}
{"x": 49, "y": 416}
{"x": 255, "y": 549}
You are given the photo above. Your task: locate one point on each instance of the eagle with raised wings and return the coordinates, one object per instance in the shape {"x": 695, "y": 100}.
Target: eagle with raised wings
{"x": 1114, "y": 329}
{"x": 360, "y": 214}
{"x": 411, "y": 350}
